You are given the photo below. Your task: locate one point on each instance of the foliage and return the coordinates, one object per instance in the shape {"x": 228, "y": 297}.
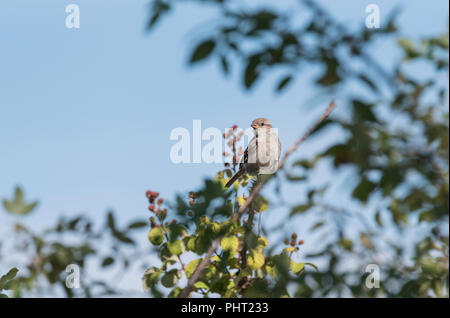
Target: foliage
{"x": 5, "y": 281}
{"x": 241, "y": 266}
{"x": 395, "y": 148}
{"x": 75, "y": 241}
{"x": 392, "y": 211}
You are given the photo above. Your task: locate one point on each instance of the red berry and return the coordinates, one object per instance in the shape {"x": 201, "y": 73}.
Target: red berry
{"x": 151, "y": 208}
{"x": 301, "y": 242}
{"x": 160, "y": 201}
{"x": 235, "y": 126}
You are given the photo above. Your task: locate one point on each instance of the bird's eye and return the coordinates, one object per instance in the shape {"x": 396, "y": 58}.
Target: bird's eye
{"x": 262, "y": 124}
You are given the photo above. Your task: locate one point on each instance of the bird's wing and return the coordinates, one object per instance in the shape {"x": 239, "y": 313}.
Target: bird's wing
{"x": 250, "y": 152}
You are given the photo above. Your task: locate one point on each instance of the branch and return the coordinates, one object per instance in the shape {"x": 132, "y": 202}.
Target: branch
{"x": 207, "y": 259}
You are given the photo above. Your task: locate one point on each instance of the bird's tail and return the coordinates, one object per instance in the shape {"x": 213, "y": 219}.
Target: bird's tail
{"x": 234, "y": 178}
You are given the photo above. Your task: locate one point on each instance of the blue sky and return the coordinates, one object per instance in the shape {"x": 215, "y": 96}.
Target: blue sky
{"x": 85, "y": 115}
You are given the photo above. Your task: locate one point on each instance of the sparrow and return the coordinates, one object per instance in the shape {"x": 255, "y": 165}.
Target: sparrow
{"x": 262, "y": 153}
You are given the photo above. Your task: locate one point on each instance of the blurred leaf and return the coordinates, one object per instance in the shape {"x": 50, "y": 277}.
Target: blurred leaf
{"x": 202, "y": 51}
{"x": 107, "y": 261}
{"x": 364, "y": 189}
{"x": 363, "y": 111}
{"x": 5, "y": 279}
{"x": 17, "y": 205}
{"x": 138, "y": 225}
{"x": 301, "y": 208}
{"x": 251, "y": 73}
{"x": 284, "y": 82}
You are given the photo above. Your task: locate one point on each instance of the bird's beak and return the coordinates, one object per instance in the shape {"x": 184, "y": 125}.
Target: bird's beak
{"x": 254, "y": 126}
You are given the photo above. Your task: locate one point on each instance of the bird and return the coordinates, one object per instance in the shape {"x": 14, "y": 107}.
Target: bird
{"x": 262, "y": 153}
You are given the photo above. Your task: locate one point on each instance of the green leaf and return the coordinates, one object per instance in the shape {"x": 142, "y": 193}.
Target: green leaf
{"x": 256, "y": 259}
{"x": 137, "y": 225}
{"x": 368, "y": 82}
{"x": 171, "y": 278}
{"x": 317, "y": 225}
{"x": 156, "y": 236}
{"x": 262, "y": 242}
{"x": 297, "y": 267}
{"x": 289, "y": 249}
{"x": 363, "y": 111}
{"x": 364, "y": 189}
{"x": 122, "y": 237}
{"x": 225, "y": 65}
{"x": 150, "y": 277}
{"x": 175, "y": 292}
{"x": 17, "y": 205}
{"x": 271, "y": 270}
{"x": 111, "y": 222}
{"x": 283, "y": 83}
{"x": 378, "y": 218}
{"x": 200, "y": 285}
{"x": 251, "y": 74}
{"x": 190, "y": 243}
{"x": 301, "y": 208}
{"x": 346, "y": 244}
{"x": 202, "y": 51}
{"x": 230, "y": 244}
{"x": 175, "y": 247}
{"x": 330, "y": 76}
{"x": 405, "y": 43}
{"x": 8, "y": 277}
{"x": 261, "y": 204}
{"x": 107, "y": 261}
{"x": 190, "y": 268}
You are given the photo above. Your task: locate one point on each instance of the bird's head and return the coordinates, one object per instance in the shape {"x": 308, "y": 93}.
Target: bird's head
{"x": 261, "y": 123}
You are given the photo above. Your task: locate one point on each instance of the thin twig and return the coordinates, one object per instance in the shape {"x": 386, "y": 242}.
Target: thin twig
{"x": 236, "y": 216}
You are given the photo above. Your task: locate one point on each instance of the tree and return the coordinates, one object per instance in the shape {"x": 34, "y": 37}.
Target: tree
{"x": 215, "y": 244}
{"x": 44, "y": 257}
{"x": 401, "y": 173}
